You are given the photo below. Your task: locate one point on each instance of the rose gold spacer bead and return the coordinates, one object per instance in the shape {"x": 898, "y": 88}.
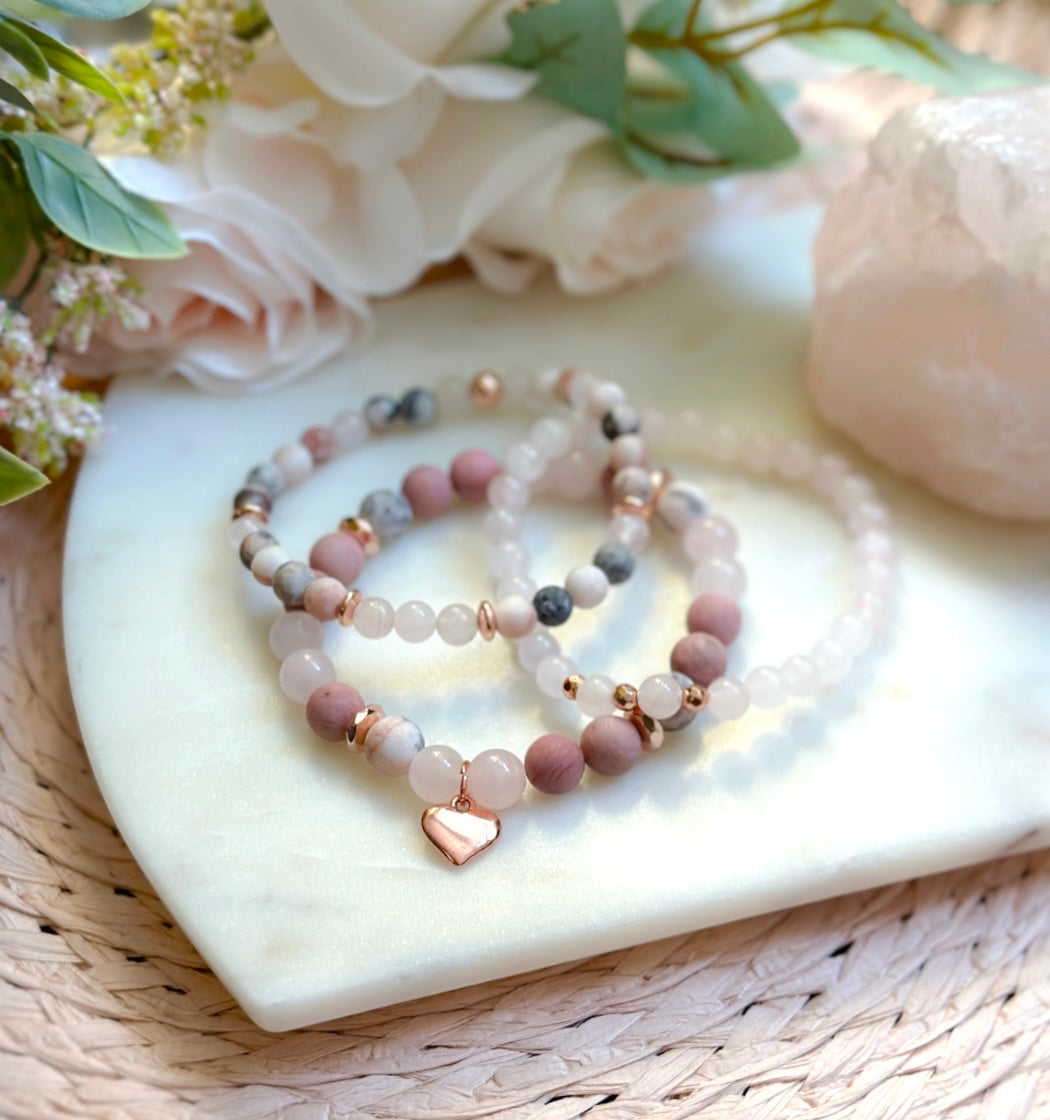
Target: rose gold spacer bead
{"x": 635, "y": 506}
{"x": 248, "y": 510}
{"x": 486, "y": 389}
{"x": 660, "y": 479}
{"x": 651, "y": 730}
{"x": 345, "y": 611}
{"x": 362, "y": 532}
{"x": 364, "y": 721}
{"x": 625, "y": 697}
{"x": 486, "y": 620}
{"x": 694, "y": 698}
{"x": 571, "y": 685}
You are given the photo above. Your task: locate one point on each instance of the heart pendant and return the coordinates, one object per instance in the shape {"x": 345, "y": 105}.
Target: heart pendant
{"x": 460, "y": 830}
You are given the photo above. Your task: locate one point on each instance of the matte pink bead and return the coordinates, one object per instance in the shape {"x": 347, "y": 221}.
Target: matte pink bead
{"x": 554, "y": 763}
{"x": 428, "y": 490}
{"x": 702, "y": 658}
{"x": 610, "y": 745}
{"x": 471, "y": 472}
{"x": 338, "y": 555}
{"x": 714, "y": 613}
{"x": 323, "y": 597}
{"x": 320, "y": 442}
{"x": 331, "y": 708}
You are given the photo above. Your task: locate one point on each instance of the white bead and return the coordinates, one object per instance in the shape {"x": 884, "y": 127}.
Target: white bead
{"x": 831, "y": 660}
{"x": 660, "y": 696}
{"x": 374, "y": 618}
{"x": 533, "y": 648}
{"x": 680, "y": 503}
{"x": 581, "y": 385}
{"x": 794, "y": 460}
{"x": 508, "y": 558}
{"x": 414, "y": 621}
{"x": 628, "y": 450}
{"x": 871, "y": 607}
{"x": 868, "y": 515}
{"x": 496, "y": 779}
{"x": 606, "y": 395}
{"x": 728, "y": 698}
{"x": 629, "y": 530}
{"x": 551, "y": 673}
{"x": 873, "y": 544}
{"x": 852, "y": 632}
{"x": 524, "y": 461}
{"x": 349, "y": 429}
{"x": 515, "y": 616}
{"x": 587, "y": 585}
{"x": 303, "y": 671}
{"x": 723, "y": 443}
{"x": 595, "y": 696}
{"x": 239, "y": 528}
{"x": 295, "y": 462}
{"x": 502, "y": 525}
{"x": 294, "y": 630}
{"x": 800, "y": 676}
{"x": 457, "y": 624}
{"x": 433, "y": 774}
{"x": 828, "y": 472}
{"x": 766, "y": 686}
{"x": 851, "y": 491}
{"x": 719, "y": 574}
{"x": 392, "y": 743}
{"x": 266, "y": 561}
{"x": 507, "y": 492}
{"x": 553, "y": 437}
{"x": 709, "y": 536}
{"x": 632, "y": 482}
{"x": 516, "y": 585}
{"x": 875, "y": 576}
{"x": 757, "y": 453}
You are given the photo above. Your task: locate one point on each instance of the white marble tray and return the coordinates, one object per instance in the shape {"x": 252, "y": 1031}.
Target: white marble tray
{"x": 301, "y": 875}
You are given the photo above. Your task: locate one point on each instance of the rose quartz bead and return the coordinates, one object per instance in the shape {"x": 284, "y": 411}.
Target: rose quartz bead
{"x": 831, "y": 660}
{"x": 239, "y": 528}
{"x": 428, "y": 490}
{"x": 331, "y": 708}
{"x": 525, "y": 462}
{"x": 709, "y": 536}
{"x": 714, "y": 613}
{"x": 702, "y": 657}
{"x": 629, "y": 530}
{"x": 471, "y": 472}
{"x": 303, "y": 671}
{"x": 502, "y": 525}
{"x": 551, "y": 437}
{"x": 554, "y": 764}
{"x": 575, "y": 476}
{"x": 628, "y": 450}
{"x": 800, "y": 676}
{"x": 594, "y": 697}
{"x": 719, "y": 573}
{"x": 414, "y": 621}
{"x": 434, "y": 774}
{"x": 611, "y": 745}
{"x": 295, "y": 630}
{"x": 295, "y": 461}
{"x": 535, "y": 647}
{"x": 509, "y": 558}
{"x": 794, "y": 460}
{"x": 660, "y": 696}
{"x": 457, "y": 624}
{"x": 767, "y": 687}
{"x": 496, "y": 779}
{"x": 323, "y": 597}
{"x": 515, "y": 616}
{"x": 373, "y": 618}
{"x": 349, "y": 429}
{"x": 338, "y": 555}
{"x": 507, "y": 492}
{"x": 728, "y": 698}
{"x": 516, "y": 585}
{"x": 551, "y": 673}
{"x": 319, "y": 442}
{"x": 587, "y": 585}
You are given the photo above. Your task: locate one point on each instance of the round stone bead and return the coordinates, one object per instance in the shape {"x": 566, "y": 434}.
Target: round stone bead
{"x": 290, "y": 582}
{"x": 502, "y": 525}
{"x": 551, "y": 673}
{"x": 728, "y": 698}
{"x": 766, "y": 686}
{"x": 388, "y": 512}
{"x": 241, "y": 527}
{"x": 496, "y": 779}
{"x": 575, "y": 475}
{"x": 266, "y": 562}
{"x": 294, "y": 462}
{"x": 630, "y": 531}
{"x": 338, "y": 555}
{"x": 507, "y": 492}
{"x": 414, "y": 621}
{"x": 349, "y": 429}
{"x": 632, "y": 482}
{"x": 381, "y": 412}
{"x": 553, "y": 605}
{"x": 554, "y": 763}
{"x": 515, "y": 616}
{"x": 509, "y": 559}
{"x": 534, "y": 647}
{"x": 611, "y": 745}
{"x": 660, "y": 696}
{"x": 721, "y": 574}
{"x": 373, "y": 618}
{"x": 392, "y": 743}
{"x": 254, "y": 543}
{"x": 702, "y": 657}
{"x": 323, "y": 597}
{"x": 831, "y": 660}
{"x": 714, "y": 613}
{"x": 471, "y": 472}
{"x": 331, "y": 708}
{"x": 551, "y": 437}
{"x": 709, "y": 536}
{"x": 268, "y": 477}
{"x": 587, "y": 585}
{"x": 457, "y": 624}
{"x": 433, "y": 774}
{"x": 679, "y": 503}
{"x": 295, "y": 630}
{"x": 516, "y": 585}
{"x": 595, "y": 696}
{"x": 628, "y": 450}
{"x": 525, "y": 462}
{"x": 304, "y": 670}
{"x": 319, "y": 442}
{"x": 428, "y": 490}
{"x": 683, "y": 717}
{"x": 619, "y": 421}
{"x": 254, "y": 497}
{"x": 616, "y": 561}
{"x": 801, "y": 676}
{"x": 419, "y": 407}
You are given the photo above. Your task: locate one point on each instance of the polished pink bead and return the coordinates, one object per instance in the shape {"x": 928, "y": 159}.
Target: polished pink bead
{"x": 319, "y": 442}
{"x": 714, "y": 613}
{"x": 338, "y": 555}
{"x": 331, "y": 708}
{"x": 428, "y": 490}
{"x": 611, "y": 745}
{"x": 471, "y": 473}
{"x": 702, "y": 658}
{"x": 554, "y": 763}
{"x": 323, "y": 597}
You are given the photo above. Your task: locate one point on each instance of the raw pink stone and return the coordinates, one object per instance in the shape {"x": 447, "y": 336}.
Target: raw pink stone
{"x": 714, "y": 613}
{"x": 611, "y": 745}
{"x": 428, "y": 490}
{"x": 331, "y": 708}
{"x": 338, "y": 555}
{"x": 702, "y": 658}
{"x": 554, "y": 763}
{"x": 471, "y": 473}
{"x": 930, "y": 329}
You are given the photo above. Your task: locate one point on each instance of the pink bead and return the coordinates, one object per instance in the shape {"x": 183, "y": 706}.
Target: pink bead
{"x": 554, "y": 764}
{"x": 320, "y": 442}
{"x": 338, "y": 555}
{"x": 714, "y": 613}
{"x": 302, "y": 672}
{"x": 471, "y": 472}
{"x": 428, "y": 490}
{"x": 496, "y": 779}
{"x": 331, "y": 708}
{"x": 702, "y": 658}
{"x": 323, "y": 597}
{"x": 610, "y": 745}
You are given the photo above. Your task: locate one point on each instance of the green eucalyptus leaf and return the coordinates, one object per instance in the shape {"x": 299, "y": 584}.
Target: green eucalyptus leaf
{"x": 21, "y": 48}
{"x": 17, "y": 478}
{"x": 70, "y": 63}
{"x": 96, "y": 9}
{"x": 87, "y": 204}
{"x": 578, "y": 49}
{"x": 14, "y": 96}
{"x": 14, "y": 221}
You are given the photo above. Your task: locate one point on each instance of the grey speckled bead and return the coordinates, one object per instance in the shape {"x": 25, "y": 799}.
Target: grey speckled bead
{"x": 268, "y": 477}
{"x": 290, "y": 582}
{"x": 388, "y": 512}
{"x": 620, "y": 421}
{"x": 683, "y": 717}
{"x": 419, "y": 407}
{"x": 553, "y": 605}
{"x": 252, "y": 544}
{"x": 381, "y": 412}
{"x": 615, "y": 561}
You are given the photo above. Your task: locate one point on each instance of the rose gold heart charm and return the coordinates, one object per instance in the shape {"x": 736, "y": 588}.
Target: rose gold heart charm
{"x": 460, "y": 830}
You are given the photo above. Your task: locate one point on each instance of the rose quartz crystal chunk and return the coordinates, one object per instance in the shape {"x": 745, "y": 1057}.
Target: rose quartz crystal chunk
{"x": 931, "y": 328}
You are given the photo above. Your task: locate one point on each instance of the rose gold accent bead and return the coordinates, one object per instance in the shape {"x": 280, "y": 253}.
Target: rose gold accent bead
{"x": 486, "y": 389}
{"x": 486, "y": 620}
{"x": 660, "y": 479}
{"x": 345, "y": 611}
{"x": 561, "y": 390}
{"x": 571, "y": 685}
{"x": 694, "y": 698}
{"x": 364, "y": 721}
{"x": 625, "y": 697}
{"x": 651, "y": 730}
{"x": 362, "y": 532}
{"x": 633, "y": 505}
{"x": 249, "y": 510}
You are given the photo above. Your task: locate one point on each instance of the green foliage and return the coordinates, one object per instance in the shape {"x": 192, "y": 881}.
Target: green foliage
{"x": 21, "y": 48}
{"x": 14, "y": 221}
{"x": 14, "y": 96}
{"x": 17, "y": 478}
{"x": 96, "y": 9}
{"x": 87, "y": 204}
{"x": 67, "y": 62}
